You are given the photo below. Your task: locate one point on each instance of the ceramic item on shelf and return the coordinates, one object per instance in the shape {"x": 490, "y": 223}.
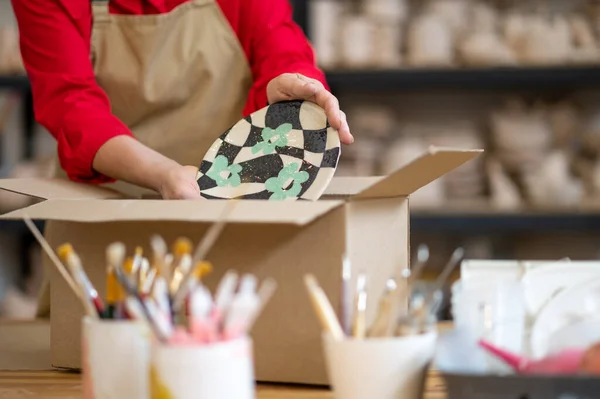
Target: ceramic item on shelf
{"x": 486, "y": 49}
{"x": 366, "y": 153}
{"x": 430, "y": 42}
{"x": 372, "y": 120}
{"x": 522, "y": 137}
{"x": 387, "y": 11}
{"x": 585, "y": 45}
{"x": 559, "y": 312}
{"x": 324, "y": 22}
{"x": 515, "y": 28}
{"x": 358, "y": 36}
{"x": 591, "y": 130}
{"x": 504, "y": 192}
{"x": 552, "y": 184}
{"x": 484, "y": 17}
{"x": 387, "y": 45}
{"x": 595, "y": 177}
{"x": 286, "y": 151}
{"x": 548, "y": 42}
{"x": 453, "y": 13}
{"x": 565, "y": 122}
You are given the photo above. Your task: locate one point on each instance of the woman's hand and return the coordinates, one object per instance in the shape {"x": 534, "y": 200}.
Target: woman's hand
{"x": 293, "y": 86}
{"x": 179, "y": 182}
{"x": 125, "y": 158}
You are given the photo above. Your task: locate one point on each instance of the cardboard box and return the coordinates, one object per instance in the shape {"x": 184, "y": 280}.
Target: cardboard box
{"x": 366, "y": 217}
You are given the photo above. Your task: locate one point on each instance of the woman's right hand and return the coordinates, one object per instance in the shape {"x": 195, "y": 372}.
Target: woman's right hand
{"x": 179, "y": 182}
{"x": 125, "y": 158}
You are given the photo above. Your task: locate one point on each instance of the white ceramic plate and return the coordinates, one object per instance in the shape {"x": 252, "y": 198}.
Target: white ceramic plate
{"x": 544, "y": 282}
{"x": 286, "y": 151}
{"x": 559, "y": 311}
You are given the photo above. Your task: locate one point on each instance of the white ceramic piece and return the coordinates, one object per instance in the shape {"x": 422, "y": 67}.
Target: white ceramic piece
{"x": 548, "y": 42}
{"x": 115, "y": 359}
{"x": 222, "y": 370}
{"x": 358, "y": 39}
{"x": 430, "y": 42}
{"x": 386, "y": 11}
{"x": 453, "y": 12}
{"x": 387, "y": 368}
{"x": 486, "y": 49}
{"x": 545, "y": 281}
{"x": 504, "y": 192}
{"x": 558, "y": 312}
{"x": 324, "y": 22}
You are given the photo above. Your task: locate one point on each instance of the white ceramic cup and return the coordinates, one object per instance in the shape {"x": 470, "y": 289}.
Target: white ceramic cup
{"x": 115, "y": 359}
{"x": 223, "y": 370}
{"x": 382, "y": 368}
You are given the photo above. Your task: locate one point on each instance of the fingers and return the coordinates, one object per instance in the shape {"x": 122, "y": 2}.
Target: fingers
{"x": 344, "y": 131}
{"x": 296, "y": 86}
{"x": 291, "y": 87}
{"x": 337, "y": 118}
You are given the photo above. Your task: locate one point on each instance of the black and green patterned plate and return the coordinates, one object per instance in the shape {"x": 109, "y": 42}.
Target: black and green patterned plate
{"x": 286, "y": 151}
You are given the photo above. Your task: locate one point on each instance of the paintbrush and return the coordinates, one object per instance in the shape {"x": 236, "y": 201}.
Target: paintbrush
{"x": 182, "y": 250}
{"x": 138, "y": 259}
{"x": 359, "y": 326}
{"x": 204, "y": 247}
{"x": 421, "y": 313}
{"x": 385, "y": 319}
{"x": 266, "y": 291}
{"x": 142, "y": 273}
{"x": 415, "y": 271}
{"x": 323, "y": 308}
{"x": 159, "y": 250}
{"x": 62, "y": 270}
{"x": 200, "y": 270}
{"x": 115, "y": 255}
{"x": 346, "y": 296}
{"x": 68, "y": 255}
{"x": 150, "y": 312}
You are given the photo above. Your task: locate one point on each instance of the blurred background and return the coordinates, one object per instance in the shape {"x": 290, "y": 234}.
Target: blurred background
{"x": 518, "y": 78}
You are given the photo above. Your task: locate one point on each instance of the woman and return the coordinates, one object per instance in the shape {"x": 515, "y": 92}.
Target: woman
{"x": 137, "y": 90}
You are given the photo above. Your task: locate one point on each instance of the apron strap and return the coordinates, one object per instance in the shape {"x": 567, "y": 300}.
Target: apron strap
{"x": 100, "y": 11}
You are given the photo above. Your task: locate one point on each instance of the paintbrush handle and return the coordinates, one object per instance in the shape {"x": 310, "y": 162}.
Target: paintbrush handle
{"x": 58, "y": 264}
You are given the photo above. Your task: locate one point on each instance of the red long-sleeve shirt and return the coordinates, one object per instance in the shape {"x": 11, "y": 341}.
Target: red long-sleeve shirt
{"x": 55, "y": 45}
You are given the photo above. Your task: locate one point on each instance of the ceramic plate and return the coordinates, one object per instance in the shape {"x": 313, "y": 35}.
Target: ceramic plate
{"x": 559, "y": 312}
{"x": 286, "y": 151}
{"x": 544, "y": 282}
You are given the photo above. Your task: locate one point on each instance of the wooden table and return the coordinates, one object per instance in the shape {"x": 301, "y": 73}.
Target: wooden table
{"x": 66, "y": 385}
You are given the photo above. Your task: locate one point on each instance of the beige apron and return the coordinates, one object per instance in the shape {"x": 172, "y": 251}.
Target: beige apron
{"x": 178, "y": 80}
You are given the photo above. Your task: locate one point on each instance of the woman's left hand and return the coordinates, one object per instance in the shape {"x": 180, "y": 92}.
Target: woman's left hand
{"x": 293, "y": 86}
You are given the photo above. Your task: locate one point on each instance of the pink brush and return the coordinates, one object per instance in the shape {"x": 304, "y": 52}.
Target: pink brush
{"x": 565, "y": 362}
{"x": 180, "y": 337}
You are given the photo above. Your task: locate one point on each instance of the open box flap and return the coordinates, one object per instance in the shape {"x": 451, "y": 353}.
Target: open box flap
{"x": 247, "y": 211}
{"x": 348, "y": 186}
{"x": 56, "y": 189}
{"x": 435, "y": 163}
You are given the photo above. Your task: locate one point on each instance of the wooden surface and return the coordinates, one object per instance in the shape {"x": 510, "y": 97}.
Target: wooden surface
{"x": 66, "y": 385}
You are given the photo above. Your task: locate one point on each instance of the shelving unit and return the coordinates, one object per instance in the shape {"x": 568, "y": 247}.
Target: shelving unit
{"x": 482, "y": 79}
